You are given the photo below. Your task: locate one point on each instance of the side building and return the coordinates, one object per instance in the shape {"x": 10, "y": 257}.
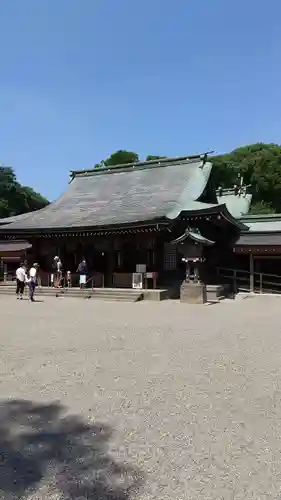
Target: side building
{"x": 256, "y": 261}
{"x": 131, "y": 217}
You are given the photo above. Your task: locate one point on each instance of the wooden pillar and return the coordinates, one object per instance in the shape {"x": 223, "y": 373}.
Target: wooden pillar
{"x": 252, "y": 287}
{"x": 5, "y": 273}
{"x": 110, "y": 263}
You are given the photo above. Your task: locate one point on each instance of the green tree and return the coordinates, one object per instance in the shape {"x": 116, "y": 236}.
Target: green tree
{"x": 261, "y": 207}
{"x": 260, "y": 166}
{"x": 121, "y": 157}
{"x": 17, "y": 199}
{"x": 152, "y": 157}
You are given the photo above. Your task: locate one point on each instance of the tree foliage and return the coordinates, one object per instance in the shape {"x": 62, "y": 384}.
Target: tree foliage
{"x": 261, "y": 207}
{"x": 152, "y": 157}
{"x": 260, "y": 166}
{"x": 121, "y": 157}
{"x": 17, "y": 199}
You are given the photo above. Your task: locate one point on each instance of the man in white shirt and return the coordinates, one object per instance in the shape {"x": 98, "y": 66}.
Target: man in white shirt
{"x": 21, "y": 279}
{"x": 32, "y": 282}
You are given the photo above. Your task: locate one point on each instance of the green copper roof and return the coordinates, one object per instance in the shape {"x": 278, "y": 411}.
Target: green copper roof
{"x": 263, "y": 223}
{"x": 261, "y": 217}
{"x": 237, "y": 203}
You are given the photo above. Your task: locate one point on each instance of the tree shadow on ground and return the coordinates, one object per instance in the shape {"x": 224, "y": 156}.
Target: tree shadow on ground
{"x": 40, "y": 444}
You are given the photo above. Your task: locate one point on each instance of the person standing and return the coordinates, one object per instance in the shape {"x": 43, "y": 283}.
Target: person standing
{"x": 32, "y": 281}
{"x": 57, "y": 266}
{"x": 21, "y": 280}
{"x": 68, "y": 279}
{"x": 82, "y": 270}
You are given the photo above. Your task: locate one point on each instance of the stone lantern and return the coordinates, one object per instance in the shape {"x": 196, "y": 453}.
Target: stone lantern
{"x": 191, "y": 246}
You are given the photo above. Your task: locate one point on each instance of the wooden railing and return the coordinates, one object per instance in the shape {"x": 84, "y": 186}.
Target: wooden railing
{"x": 94, "y": 281}
{"x": 245, "y": 282}
{"x": 7, "y": 278}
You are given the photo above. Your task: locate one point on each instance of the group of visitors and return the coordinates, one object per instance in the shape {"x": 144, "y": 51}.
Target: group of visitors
{"x": 25, "y": 276}
{"x": 28, "y": 277}
{"x": 57, "y": 274}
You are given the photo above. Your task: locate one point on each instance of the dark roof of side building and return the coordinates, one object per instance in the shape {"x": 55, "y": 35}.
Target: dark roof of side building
{"x": 14, "y": 246}
{"x": 259, "y": 239}
{"x": 262, "y": 230}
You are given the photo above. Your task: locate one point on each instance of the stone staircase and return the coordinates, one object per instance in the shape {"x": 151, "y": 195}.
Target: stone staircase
{"x": 113, "y": 294}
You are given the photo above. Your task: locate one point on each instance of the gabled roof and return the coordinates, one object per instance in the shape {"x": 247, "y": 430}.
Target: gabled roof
{"x": 194, "y": 235}
{"x": 142, "y": 192}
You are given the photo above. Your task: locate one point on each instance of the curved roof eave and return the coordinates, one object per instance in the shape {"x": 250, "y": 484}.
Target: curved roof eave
{"x": 227, "y": 215}
{"x": 21, "y": 217}
{"x": 14, "y": 246}
{"x": 193, "y": 235}
{"x": 200, "y": 208}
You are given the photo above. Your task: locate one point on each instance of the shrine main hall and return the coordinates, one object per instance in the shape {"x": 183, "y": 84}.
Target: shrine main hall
{"x": 152, "y": 224}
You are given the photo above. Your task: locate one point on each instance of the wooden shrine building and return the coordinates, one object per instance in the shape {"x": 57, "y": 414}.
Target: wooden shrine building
{"x": 256, "y": 262}
{"x": 136, "y": 217}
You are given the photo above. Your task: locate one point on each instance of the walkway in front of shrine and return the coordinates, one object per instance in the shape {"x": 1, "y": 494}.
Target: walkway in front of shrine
{"x": 154, "y": 401}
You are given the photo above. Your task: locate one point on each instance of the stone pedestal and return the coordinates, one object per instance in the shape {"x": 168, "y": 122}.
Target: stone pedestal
{"x": 193, "y": 293}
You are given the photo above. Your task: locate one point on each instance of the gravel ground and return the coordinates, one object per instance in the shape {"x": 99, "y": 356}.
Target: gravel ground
{"x": 150, "y": 401}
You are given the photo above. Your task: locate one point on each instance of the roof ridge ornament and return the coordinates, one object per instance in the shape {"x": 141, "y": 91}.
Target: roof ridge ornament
{"x": 204, "y": 158}
{"x": 239, "y": 189}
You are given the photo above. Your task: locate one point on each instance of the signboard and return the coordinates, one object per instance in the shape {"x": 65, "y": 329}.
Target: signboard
{"x": 190, "y": 250}
{"x": 141, "y": 268}
{"x": 150, "y": 275}
{"x": 137, "y": 280}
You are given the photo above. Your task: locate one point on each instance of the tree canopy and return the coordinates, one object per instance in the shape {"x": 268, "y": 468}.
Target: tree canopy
{"x": 260, "y": 166}
{"x": 17, "y": 199}
{"x": 121, "y": 157}
{"x": 152, "y": 157}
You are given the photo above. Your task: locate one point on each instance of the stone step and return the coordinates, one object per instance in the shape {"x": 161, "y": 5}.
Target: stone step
{"x": 102, "y": 294}
{"x": 116, "y": 298}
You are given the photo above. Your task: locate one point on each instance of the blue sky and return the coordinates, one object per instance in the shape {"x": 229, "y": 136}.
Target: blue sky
{"x": 83, "y": 78}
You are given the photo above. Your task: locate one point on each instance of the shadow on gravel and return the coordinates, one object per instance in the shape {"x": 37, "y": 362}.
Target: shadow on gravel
{"x": 40, "y": 443}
